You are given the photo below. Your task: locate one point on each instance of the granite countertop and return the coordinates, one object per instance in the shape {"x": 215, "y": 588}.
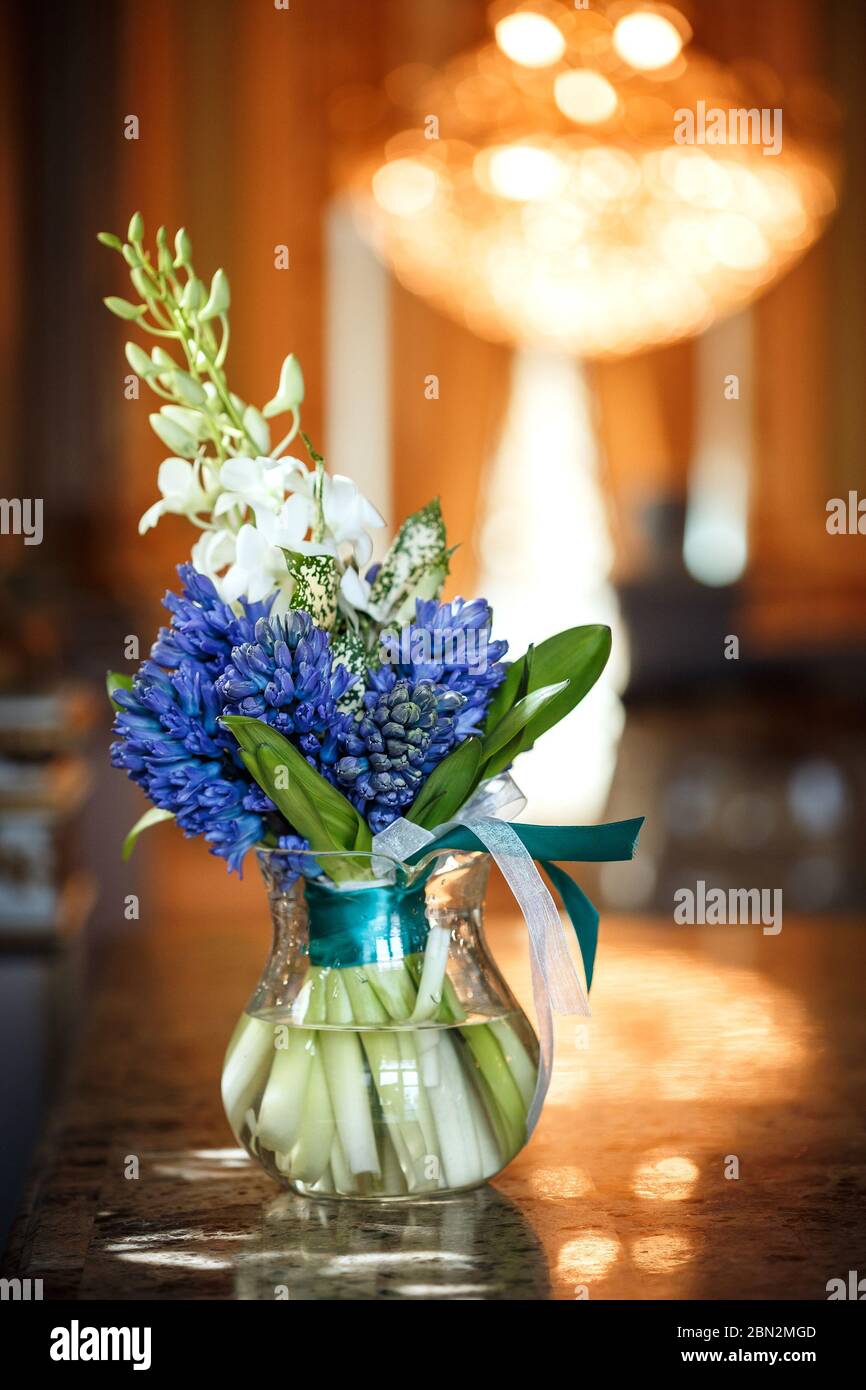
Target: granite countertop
{"x": 702, "y": 1138}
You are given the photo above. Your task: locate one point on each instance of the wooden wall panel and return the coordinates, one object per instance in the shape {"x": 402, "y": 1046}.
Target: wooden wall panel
{"x": 441, "y": 446}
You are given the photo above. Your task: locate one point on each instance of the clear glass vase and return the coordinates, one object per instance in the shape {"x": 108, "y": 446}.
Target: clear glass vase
{"x": 382, "y": 1054}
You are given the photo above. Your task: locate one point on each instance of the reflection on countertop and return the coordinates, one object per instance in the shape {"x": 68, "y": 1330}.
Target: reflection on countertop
{"x": 475, "y": 1246}
{"x": 702, "y": 1138}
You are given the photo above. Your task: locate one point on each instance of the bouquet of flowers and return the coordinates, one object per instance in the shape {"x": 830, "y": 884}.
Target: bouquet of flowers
{"x": 299, "y": 701}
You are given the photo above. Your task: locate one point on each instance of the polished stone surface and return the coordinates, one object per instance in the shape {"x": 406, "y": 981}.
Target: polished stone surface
{"x": 712, "y": 1052}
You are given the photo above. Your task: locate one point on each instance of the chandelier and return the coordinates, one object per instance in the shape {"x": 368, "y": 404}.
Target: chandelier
{"x": 588, "y": 180}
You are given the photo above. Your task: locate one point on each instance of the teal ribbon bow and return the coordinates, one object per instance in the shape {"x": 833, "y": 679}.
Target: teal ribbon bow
{"x": 589, "y": 844}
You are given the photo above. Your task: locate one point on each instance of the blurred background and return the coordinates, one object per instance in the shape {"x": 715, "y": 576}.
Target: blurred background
{"x": 635, "y": 388}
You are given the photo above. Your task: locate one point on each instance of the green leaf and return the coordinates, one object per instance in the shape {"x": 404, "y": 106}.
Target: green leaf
{"x": 430, "y": 812}
{"x": 109, "y": 239}
{"x": 511, "y": 750}
{"x": 348, "y": 649}
{"x": 515, "y": 722}
{"x": 578, "y": 655}
{"x": 345, "y": 828}
{"x": 271, "y": 772}
{"x": 524, "y": 687}
{"x": 152, "y": 817}
{"x": 416, "y": 564}
{"x": 116, "y": 680}
{"x": 308, "y": 445}
{"x": 448, "y": 786}
{"x": 317, "y": 584}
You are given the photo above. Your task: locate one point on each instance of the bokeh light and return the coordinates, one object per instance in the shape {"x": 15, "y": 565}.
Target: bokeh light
{"x": 647, "y": 40}
{"x": 530, "y": 39}
{"x": 585, "y": 97}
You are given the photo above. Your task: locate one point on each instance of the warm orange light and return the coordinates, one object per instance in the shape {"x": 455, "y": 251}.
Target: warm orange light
{"x": 647, "y": 40}
{"x": 661, "y": 1254}
{"x": 584, "y": 96}
{"x": 523, "y": 173}
{"x": 404, "y": 187}
{"x": 668, "y": 1179}
{"x": 589, "y": 1256}
{"x": 530, "y": 39}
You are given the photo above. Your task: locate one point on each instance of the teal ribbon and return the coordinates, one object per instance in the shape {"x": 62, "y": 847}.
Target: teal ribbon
{"x": 360, "y": 926}
{"x": 615, "y": 840}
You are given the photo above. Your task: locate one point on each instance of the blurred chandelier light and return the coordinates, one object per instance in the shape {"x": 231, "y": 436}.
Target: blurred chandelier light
{"x": 647, "y": 38}
{"x": 530, "y": 38}
{"x": 549, "y": 198}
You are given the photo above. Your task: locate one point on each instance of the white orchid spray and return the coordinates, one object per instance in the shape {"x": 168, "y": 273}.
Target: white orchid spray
{"x": 251, "y": 504}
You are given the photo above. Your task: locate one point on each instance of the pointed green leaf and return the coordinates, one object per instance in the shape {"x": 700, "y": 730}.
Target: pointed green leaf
{"x": 344, "y": 826}
{"x": 578, "y": 655}
{"x": 152, "y": 817}
{"x": 303, "y": 814}
{"x": 308, "y": 445}
{"x": 271, "y": 772}
{"x": 116, "y": 680}
{"x": 448, "y": 786}
{"x": 515, "y": 722}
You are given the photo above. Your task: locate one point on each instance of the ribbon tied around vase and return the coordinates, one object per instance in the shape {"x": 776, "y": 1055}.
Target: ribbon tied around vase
{"x": 556, "y": 985}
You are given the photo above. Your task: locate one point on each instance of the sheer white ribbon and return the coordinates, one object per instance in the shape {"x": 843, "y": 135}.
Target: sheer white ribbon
{"x": 555, "y": 981}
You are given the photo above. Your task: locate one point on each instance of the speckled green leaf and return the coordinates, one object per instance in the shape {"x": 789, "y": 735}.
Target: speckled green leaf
{"x": 416, "y": 564}
{"x": 316, "y": 585}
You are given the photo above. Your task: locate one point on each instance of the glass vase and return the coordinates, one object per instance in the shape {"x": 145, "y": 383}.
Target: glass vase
{"x": 382, "y": 1054}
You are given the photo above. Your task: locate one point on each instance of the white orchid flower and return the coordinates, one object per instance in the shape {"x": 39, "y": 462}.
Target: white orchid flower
{"x": 258, "y": 483}
{"x": 260, "y": 564}
{"x": 347, "y": 512}
{"x": 212, "y": 553}
{"x": 186, "y": 491}
{"x": 288, "y": 526}
{"x": 355, "y": 590}
{"x": 258, "y": 568}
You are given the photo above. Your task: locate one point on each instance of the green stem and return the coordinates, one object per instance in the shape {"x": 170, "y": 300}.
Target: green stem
{"x": 347, "y": 1082}
{"x": 312, "y": 1152}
